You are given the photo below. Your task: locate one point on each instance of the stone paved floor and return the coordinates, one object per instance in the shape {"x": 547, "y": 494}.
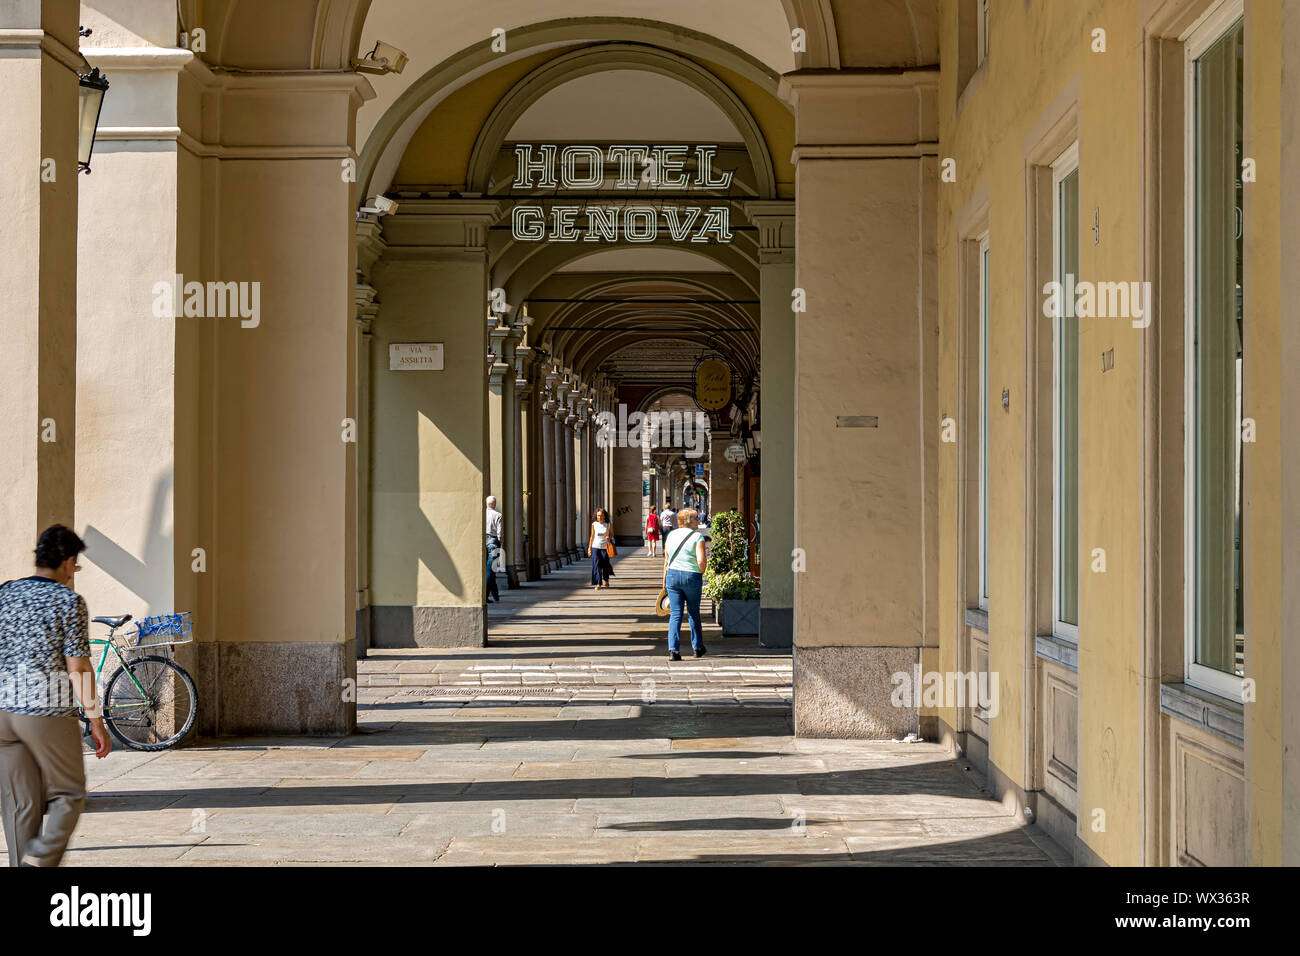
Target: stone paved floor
{"x": 569, "y": 740}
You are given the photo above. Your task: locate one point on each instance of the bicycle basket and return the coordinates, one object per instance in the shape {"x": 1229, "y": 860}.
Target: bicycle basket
{"x": 164, "y": 630}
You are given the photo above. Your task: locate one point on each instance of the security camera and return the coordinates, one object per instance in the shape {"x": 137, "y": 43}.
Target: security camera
{"x": 382, "y": 59}
{"x": 379, "y": 206}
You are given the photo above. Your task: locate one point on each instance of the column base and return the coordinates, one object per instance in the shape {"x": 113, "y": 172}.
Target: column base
{"x": 846, "y": 692}
{"x": 398, "y": 625}
{"x": 289, "y": 687}
{"x": 552, "y": 562}
{"x": 363, "y": 632}
{"x": 776, "y": 626}
{"x": 512, "y": 577}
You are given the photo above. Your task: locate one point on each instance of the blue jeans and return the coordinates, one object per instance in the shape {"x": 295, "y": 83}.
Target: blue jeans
{"x": 684, "y": 587}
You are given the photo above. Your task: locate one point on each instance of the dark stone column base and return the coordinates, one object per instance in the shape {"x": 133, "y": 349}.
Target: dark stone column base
{"x": 776, "y": 627}
{"x": 846, "y": 692}
{"x": 289, "y": 687}
{"x": 396, "y": 625}
{"x": 363, "y": 632}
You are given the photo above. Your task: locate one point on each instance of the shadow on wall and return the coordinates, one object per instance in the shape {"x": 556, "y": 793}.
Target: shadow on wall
{"x": 150, "y": 579}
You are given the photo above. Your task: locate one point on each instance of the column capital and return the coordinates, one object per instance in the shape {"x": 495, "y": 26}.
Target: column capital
{"x": 776, "y": 229}
{"x": 864, "y": 114}
{"x": 365, "y": 307}
{"x": 440, "y": 228}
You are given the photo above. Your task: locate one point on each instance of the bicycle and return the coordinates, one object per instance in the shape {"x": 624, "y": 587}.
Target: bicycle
{"x": 149, "y": 702}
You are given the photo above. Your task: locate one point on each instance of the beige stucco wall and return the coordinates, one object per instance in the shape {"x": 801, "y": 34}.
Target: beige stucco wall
{"x": 1265, "y": 733}
{"x": 1037, "y": 56}
{"x": 430, "y": 435}
{"x": 38, "y": 268}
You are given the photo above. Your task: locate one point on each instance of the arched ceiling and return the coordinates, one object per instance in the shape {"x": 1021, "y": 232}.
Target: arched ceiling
{"x": 620, "y": 106}
{"x": 449, "y": 43}
{"x": 423, "y": 129}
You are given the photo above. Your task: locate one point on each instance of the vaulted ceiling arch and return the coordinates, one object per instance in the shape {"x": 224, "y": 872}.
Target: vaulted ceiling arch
{"x": 618, "y": 56}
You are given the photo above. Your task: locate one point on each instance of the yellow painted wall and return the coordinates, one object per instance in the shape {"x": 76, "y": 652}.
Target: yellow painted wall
{"x": 1263, "y": 459}
{"x": 1036, "y": 52}
{"x": 438, "y": 153}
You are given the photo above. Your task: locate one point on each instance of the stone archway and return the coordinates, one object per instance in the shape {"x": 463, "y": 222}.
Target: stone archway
{"x": 604, "y": 58}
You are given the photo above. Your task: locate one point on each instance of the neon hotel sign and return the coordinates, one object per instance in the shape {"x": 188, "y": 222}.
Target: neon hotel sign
{"x": 583, "y": 167}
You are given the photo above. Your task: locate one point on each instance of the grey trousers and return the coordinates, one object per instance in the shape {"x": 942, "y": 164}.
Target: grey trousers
{"x": 42, "y": 777}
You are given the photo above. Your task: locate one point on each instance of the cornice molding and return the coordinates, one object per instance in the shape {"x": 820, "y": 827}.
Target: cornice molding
{"x": 39, "y": 40}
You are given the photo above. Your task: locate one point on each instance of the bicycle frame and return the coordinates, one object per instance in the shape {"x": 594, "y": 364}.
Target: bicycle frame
{"x": 110, "y": 644}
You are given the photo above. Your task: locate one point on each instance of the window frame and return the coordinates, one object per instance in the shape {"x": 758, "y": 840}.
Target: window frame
{"x": 981, "y": 32}
{"x": 1211, "y": 27}
{"x": 1065, "y": 164}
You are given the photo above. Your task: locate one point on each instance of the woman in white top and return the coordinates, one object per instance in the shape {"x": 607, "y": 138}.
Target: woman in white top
{"x": 686, "y": 555}
{"x": 601, "y": 535}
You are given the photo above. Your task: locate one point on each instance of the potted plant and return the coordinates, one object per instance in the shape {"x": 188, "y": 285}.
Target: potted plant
{"x": 727, "y": 581}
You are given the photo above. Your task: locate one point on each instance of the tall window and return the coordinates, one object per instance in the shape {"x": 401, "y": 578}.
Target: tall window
{"x": 984, "y": 424}
{"x": 1065, "y": 399}
{"x": 982, "y": 37}
{"x": 1215, "y": 602}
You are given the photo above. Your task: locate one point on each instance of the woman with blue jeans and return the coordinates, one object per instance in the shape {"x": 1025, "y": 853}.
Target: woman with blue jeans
{"x": 685, "y": 557}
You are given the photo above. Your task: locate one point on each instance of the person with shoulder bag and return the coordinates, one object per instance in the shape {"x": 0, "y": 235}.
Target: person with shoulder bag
{"x": 686, "y": 555}
{"x": 600, "y": 547}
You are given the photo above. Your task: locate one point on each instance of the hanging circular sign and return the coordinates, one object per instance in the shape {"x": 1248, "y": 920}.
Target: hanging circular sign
{"x": 712, "y": 384}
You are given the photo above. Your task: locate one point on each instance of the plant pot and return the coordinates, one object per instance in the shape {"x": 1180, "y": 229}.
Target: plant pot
{"x": 737, "y": 617}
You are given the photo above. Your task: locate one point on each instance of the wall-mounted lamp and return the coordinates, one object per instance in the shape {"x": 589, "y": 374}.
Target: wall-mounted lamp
{"x": 91, "y": 87}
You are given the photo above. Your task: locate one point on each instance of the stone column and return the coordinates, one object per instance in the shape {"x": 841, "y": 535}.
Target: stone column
{"x": 499, "y": 383}
{"x": 275, "y": 387}
{"x": 38, "y": 272}
{"x": 370, "y": 246}
{"x": 522, "y": 358}
{"x": 865, "y": 391}
{"x": 571, "y": 483}
{"x": 431, "y": 427}
{"x": 776, "y": 228}
{"x": 503, "y": 412}
{"x": 562, "y": 549}
{"x": 549, "y": 556}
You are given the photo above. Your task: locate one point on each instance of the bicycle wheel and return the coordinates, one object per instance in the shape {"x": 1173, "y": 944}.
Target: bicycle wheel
{"x": 150, "y": 703}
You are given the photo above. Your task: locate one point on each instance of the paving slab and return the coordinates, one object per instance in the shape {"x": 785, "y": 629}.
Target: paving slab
{"x": 569, "y": 739}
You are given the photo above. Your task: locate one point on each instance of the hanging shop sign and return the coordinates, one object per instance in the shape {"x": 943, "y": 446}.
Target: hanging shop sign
{"x": 712, "y": 384}
{"x": 582, "y": 168}
{"x": 415, "y": 357}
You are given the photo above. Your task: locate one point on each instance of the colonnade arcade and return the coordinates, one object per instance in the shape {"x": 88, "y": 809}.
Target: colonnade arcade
{"x": 307, "y": 494}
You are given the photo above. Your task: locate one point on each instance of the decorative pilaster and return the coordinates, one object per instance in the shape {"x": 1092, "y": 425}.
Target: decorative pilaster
{"x": 776, "y": 257}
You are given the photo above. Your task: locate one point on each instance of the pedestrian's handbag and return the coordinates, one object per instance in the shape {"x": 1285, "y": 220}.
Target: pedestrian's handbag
{"x": 662, "y": 606}
{"x": 610, "y": 549}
